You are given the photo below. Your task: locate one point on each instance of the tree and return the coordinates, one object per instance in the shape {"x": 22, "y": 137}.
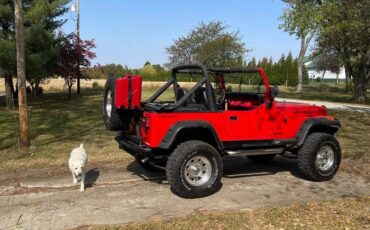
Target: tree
{"x": 41, "y": 18}
{"x": 300, "y": 19}
{"x": 8, "y": 49}
{"x": 327, "y": 61}
{"x": 344, "y": 30}
{"x": 74, "y": 53}
{"x": 21, "y": 73}
{"x": 208, "y": 44}
{"x": 43, "y": 50}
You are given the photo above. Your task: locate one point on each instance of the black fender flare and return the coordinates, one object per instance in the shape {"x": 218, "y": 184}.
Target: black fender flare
{"x": 172, "y": 133}
{"x": 321, "y": 124}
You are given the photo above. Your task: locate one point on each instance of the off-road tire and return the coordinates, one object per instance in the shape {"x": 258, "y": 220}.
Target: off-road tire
{"x": 308, "y": 152}
{"x": 114, "y": 122}
{"x": 146, "y": 166}
{"x": 262, "y": 158}
{"x": 175, "y": 169}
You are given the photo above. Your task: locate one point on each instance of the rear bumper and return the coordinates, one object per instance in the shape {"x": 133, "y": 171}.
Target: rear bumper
{"x": 131, "y": 145}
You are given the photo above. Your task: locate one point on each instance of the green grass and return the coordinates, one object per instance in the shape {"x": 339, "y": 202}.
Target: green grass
{"x": 351, "y": 213}
{"x": 57, "y": 125}
{"x": 321, "y": 92}
{"x": 354, "y": 139}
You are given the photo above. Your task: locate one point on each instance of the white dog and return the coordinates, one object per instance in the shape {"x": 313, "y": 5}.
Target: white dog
{"x": 77, "y": 165}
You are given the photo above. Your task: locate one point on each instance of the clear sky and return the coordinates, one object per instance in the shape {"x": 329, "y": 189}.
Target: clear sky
{"x": 131, "y": 32}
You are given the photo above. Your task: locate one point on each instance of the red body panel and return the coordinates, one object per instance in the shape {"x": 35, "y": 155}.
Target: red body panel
{"x": 128, "y": 92}
{"x": 281, "y": 121}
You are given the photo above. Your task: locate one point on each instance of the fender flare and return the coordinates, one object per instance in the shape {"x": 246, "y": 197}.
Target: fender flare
{"x": 323, "y": 124}
{"x": 172, "y": 133}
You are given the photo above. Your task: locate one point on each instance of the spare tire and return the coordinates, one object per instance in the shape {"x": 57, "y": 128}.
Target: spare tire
{"x": 114, "y": 119}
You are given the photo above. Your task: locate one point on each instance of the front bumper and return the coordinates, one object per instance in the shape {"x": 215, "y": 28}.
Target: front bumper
{"x": 130, "y": 144}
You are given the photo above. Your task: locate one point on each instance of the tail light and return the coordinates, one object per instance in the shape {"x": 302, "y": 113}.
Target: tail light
{"x": 330, "y": 118}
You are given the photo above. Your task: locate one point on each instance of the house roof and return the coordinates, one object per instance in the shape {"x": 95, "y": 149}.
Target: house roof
{"x": 309, "y": 62}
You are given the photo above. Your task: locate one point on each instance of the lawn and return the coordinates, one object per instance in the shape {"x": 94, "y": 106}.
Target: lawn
{"x": 320, "y": 92}
{"x": 58, "y": 125}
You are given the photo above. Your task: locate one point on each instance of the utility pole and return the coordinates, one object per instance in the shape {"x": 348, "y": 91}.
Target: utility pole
{"x": 21, "y": 74}
{"x": 78, "y": 46}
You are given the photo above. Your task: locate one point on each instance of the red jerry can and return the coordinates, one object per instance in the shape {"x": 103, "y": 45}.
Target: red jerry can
{"x": 128, "y": 92}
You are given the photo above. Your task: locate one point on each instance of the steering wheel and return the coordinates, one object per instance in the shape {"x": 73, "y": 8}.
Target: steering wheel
{"x": 220, "y": 96}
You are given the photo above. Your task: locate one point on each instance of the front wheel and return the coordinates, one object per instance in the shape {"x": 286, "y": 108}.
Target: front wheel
{"x": 319, "y": 157}
{"x": 194, "y": 169}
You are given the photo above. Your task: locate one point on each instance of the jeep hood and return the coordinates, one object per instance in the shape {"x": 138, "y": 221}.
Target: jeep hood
{"x": 302, "y": 108}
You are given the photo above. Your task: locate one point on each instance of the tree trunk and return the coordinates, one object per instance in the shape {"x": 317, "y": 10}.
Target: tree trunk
{"x": 360, "y": 89}
{"x": 300, "y": 72}
{"x": 9, "y": 91}
{"x": 21, "y": 73}
{"x": 300, "y": 64}
{"x": 78, "y": 78}
{"x": 37, "y": 88}
{"x": 348, "y": 73}
{"x": 304, "y": 44}
{"x": 323, "y": 74}
{"x": 69, "y": 92}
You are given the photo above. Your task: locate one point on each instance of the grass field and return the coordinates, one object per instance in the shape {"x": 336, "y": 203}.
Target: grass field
{"x": 350, "y": 213}
{"x": 57, "y": 125}
{"x": 321, "y": 92}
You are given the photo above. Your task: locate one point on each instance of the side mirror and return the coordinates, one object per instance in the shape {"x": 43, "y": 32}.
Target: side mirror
{"x": 274, "y": 92}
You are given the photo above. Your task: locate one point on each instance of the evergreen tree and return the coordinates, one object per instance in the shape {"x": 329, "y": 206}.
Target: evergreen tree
{"x": 42, "y": 18}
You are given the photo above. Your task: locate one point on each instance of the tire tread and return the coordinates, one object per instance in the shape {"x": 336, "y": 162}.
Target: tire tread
{"x": 306, "y": 158}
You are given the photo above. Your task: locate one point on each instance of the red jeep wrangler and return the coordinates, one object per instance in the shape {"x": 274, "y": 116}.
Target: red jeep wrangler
{"x": 189, "y": 135}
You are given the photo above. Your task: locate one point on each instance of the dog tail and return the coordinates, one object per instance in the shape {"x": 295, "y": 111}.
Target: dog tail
{"x": 81, "y": 146}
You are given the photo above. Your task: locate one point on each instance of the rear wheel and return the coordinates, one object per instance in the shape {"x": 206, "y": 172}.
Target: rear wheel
{"x": 112, "y": 119}
{"x": 194, "y": 169}
{"x": 262, "y": 158}
{"x": 319, "y": 157}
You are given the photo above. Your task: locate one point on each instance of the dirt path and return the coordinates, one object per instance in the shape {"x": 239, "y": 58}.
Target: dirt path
{"x": 124, "y": 193}
{"x": 333, "y": 105}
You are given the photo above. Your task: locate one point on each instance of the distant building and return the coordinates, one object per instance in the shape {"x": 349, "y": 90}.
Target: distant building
{"x": 327, "y": 76}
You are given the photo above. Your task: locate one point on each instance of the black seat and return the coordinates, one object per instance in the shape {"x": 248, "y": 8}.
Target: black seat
{"x": 200, "y": 96}
{"x": 180, "y": 93}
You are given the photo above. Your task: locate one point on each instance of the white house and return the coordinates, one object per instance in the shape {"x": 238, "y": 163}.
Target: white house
{"x": 315, "y": 74}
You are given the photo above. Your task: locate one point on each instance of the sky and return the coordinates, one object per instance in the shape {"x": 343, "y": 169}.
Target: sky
{"x": 131, "y": 32}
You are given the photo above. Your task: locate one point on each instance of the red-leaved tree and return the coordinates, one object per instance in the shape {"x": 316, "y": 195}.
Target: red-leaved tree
{"x": 73, "y": 51}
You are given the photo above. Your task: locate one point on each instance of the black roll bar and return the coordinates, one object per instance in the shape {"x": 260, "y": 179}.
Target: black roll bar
{"x": 209, "y": 90}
